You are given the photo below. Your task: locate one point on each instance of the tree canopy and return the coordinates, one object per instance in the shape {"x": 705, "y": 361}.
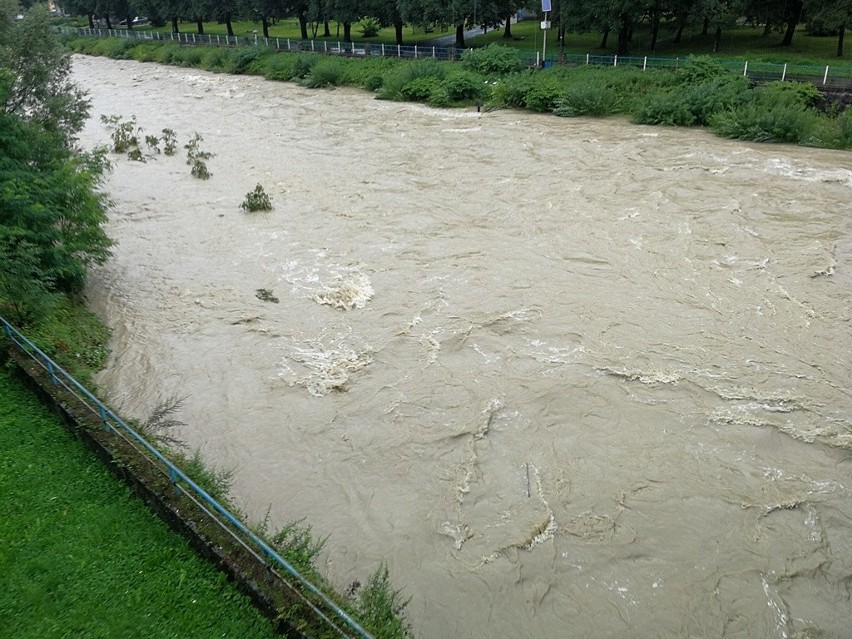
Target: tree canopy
{"x": 52, "y": 212}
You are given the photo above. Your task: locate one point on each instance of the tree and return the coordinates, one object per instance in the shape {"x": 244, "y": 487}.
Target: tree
{"x": 831, "y": 16}
{"x": 50, "y": 221}
{"x": 792, "y": 17}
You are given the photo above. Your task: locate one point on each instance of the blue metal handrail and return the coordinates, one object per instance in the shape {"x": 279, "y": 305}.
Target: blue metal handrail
{"x": 110, "y": 420}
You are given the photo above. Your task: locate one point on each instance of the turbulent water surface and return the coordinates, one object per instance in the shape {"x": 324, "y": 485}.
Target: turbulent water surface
{"x": 569, "y": 377}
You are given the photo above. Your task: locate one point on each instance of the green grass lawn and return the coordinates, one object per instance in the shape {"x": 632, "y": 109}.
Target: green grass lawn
{"x": 82, "y": 557}
{"x": 743, "y": 42}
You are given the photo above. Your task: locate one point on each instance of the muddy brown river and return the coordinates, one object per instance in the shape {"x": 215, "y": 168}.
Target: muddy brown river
{"x": 568, "y": 377}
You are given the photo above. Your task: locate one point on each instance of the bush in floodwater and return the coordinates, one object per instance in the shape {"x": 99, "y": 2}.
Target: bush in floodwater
{"x": 581, "y": 99}
{"x": 197, "y": 158}
{"x": 257, "y": 200}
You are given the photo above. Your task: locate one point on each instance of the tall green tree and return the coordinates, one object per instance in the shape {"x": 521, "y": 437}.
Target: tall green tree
{"x": 52, "y": 211}
{"x": 831, "y": 16}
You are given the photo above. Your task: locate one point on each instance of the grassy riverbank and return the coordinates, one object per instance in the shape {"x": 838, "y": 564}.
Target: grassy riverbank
{"x": 701, "y": 93}
{"x": 81, "y": 556}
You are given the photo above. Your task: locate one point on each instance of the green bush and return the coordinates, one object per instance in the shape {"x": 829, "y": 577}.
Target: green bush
{"x": 799, "y": 94}
{"x": 459, "y": 87}
{"x": 700, "y": 69}
{"x": 400, "y": 76}
{"x": 759, "y": 123}
{"x": 581, "y": 99}
{"x": 257, "y": 200}
{"x": 326, "y": 72}
{"x": 303, "y": 64}
{"x": 693, "y": 104}
{"x": 241, "y": 58}
{"x": 494, "y": 59}
{"x": 419, "y": 89}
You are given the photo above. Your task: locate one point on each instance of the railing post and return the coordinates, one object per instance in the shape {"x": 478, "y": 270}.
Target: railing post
{"x": 52, "y": 371}
{"x": 383, "y": 49}
{"x": 103, "y": 416}
{"x": 825, "y": 77}
{"x": 784, "y": 73}
{"x": 587, "y": 59}
{"x": 615, "y": 61}
{"x": 645, "y": 64}
{"x": 313, "y": 45}
{"x": 277, "y": 45}
{"x": 745, "y": 68}
{"x": 433, "y": 53}
{"x": 398, "y": 51}
{"x": 415, "y": 51}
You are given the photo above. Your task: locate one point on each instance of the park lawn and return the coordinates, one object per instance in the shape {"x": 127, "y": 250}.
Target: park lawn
{"x": 82, "y": 557}
{"x": 741, "y": 42}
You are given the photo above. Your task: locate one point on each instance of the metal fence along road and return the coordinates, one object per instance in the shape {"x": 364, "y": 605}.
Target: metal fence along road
{"x": 827, "y": 77}
{"x": 321, "y": 605}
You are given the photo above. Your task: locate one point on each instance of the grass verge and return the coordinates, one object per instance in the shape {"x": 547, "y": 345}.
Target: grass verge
{"x": 82, "y": 557}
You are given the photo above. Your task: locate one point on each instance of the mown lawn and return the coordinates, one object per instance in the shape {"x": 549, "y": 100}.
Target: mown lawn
{"x": 80, "y": 556}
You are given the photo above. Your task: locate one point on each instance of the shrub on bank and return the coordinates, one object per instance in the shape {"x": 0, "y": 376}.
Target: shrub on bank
{"x": 701, "y": 93}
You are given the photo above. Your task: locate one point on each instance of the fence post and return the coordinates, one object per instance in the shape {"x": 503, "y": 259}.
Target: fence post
{"x": 615, "y": 61}
{"x": 383, "y": 49}
{"x": 587, "y": 59}
{"x": 277, "y": 47}
{"x": 745, "y": 68}
{"x": 645, "y": 64}
{"x": 52, "y": 371}
{"x": 784, "y": 72}
{"x": 398, "y": 51}
{"x": 415, "y": 51}
{"x": 433, "y": 53}
{"x": 825, "y": 77}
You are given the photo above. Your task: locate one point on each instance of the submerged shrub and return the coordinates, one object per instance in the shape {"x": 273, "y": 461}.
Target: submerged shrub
{"x": 257, "y": 200}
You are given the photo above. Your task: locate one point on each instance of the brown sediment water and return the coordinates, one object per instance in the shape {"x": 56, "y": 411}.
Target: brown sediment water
{"x": 569, "y": 377}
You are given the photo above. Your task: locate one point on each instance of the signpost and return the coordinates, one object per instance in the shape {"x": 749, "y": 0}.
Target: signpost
{"x": 545, "y": 25}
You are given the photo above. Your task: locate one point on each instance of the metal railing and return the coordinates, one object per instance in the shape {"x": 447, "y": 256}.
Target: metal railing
{"x": 827, "y": 76}
{"x": 323, "y": 607}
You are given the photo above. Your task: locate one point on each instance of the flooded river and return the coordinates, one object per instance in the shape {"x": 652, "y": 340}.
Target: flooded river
{"x": 569, "y": 377}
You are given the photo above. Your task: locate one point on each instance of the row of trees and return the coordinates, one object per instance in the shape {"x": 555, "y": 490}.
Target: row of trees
{"x": 619, "y": 17}
{"x": 52, "y": 213}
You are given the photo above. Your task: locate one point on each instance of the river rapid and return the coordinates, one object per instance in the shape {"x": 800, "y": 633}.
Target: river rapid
{"x": 568, "y": 377}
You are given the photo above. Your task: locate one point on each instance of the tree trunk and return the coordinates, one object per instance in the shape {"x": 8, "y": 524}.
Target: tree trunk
{"x": 175, "y": 28}
{"x": 347, "y": 32}
{"x": 655, "y": 30}
{"x": 792, "y": 19}
{"x": 767, "y": 28}
{"x": 108, "y": 22}
{"x": 397, "y": 27}
{"x": 264, "y": 21}
{"x": 303, "y": 25}
{"x": 460, "y": 36}
{"x": 679, "y": 33}
{"x": 129, "y": 23}
{"x": 717, "y": 40}
{"x": 840, "y": 36}
{"x": 604, "y": 39}
{"x": 200, "y": 24}
{"x": 91, "y": 20}
{"x": 326, "y": 29}
{"x": 507, "y": 30}
{"x": 230, "y": 25}
{"x": 624, "y": 35}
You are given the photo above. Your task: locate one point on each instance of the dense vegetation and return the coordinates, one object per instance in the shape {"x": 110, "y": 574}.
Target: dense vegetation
{"x": 701, "y": 93}
{"x": 617, "y": 17}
